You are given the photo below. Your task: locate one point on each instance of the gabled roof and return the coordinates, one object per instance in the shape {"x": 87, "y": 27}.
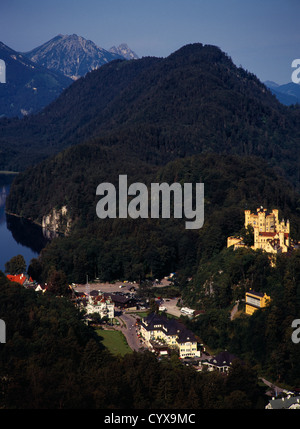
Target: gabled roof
{"x": 153, "y": 320}
{"x": 222, "y": 359}
{"x": 289, "y": 402}
{"x": 103, "y": 299}
{"x": 19, "y": 278}
{"x": 171, "y": 327}
{"x": 119, "y": 299}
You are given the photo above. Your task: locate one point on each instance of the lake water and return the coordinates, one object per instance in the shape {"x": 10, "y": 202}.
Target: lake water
{"x": 17, "y": 236}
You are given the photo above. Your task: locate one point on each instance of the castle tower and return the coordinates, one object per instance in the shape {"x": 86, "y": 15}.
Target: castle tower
{"x": 247, "y": 218}
{"x": 270, "y": 234}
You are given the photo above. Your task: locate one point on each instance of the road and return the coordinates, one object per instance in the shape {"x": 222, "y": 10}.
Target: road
{"x": 274, "y": 389}
{"x": 234, "y": 310}
{"x": 128, "y": 328}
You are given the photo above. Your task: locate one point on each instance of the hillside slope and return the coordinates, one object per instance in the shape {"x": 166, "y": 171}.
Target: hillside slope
{"x": 130, "y": 248}
{"x": 29, "y": 87}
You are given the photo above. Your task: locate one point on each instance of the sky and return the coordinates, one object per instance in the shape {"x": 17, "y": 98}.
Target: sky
{"x": 262, "y": 36}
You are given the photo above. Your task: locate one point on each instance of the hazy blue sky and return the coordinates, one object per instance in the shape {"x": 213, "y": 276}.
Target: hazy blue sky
{"x": 262, "y": 36}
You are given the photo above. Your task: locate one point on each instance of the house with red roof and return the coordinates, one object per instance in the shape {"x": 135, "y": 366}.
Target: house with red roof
{"x": 22, "y": 279}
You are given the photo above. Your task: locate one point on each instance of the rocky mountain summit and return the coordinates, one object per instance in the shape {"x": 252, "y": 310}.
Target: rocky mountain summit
{"x": 73, "y": 55}
{"x": 124, "y": 51}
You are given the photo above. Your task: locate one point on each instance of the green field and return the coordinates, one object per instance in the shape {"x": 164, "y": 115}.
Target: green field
{"x": 114, "y": 341}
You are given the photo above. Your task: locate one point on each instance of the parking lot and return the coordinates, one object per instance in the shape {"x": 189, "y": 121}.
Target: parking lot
{"x": 171, "y": 307}
{"x": 169, "y": 303}
{"x": 106, "y": 287}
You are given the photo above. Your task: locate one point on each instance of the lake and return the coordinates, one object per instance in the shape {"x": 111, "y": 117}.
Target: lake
{"x": 17, "y": 236}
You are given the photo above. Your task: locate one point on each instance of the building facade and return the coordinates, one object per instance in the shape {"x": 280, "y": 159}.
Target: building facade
{"x": 101, "y": 304}
{"x": 255, "y": 300}
{"x": 157, "y": 329}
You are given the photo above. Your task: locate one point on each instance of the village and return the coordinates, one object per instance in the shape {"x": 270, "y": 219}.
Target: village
{"x": 116, "y": 307}
{"x": 156, "y": 325}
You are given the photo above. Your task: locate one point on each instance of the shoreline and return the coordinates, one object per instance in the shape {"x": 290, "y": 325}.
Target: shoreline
{"x": 59, "y": 233}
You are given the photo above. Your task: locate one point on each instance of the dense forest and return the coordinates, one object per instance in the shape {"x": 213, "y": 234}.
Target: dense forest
{"x": 264, "y": 339}
{"x": 53, "y": 360}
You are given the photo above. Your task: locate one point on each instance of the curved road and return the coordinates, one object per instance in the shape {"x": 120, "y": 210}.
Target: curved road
{"x": 128, "y": 328}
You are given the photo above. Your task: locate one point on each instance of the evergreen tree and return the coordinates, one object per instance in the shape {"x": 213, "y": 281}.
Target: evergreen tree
{"x": 16, "y": 265}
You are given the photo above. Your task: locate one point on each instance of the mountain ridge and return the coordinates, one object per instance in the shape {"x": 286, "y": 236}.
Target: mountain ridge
{"x": 153, "y": 111}
{"x": 37, "y": 77}
{"x": 194, "y": 100}
{"x": 287, "y": 94}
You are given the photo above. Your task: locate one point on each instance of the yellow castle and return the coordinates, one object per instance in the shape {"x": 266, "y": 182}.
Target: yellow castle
{"x": 255, "y": 300}
{"x": 270, "y": 235}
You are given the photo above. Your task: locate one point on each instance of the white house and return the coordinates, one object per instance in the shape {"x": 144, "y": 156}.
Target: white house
{"x": 101, "y": 304}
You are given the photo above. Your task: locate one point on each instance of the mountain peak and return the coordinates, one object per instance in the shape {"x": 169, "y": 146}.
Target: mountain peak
{"x": 124, "y": 51}
{"x": 71, "y": 55}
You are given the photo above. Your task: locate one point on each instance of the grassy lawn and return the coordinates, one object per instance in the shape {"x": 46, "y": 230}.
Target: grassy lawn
{"x": 114, "y": 341}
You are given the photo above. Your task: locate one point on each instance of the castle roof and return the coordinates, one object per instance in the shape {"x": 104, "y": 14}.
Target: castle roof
{"x": 272, "y": 234}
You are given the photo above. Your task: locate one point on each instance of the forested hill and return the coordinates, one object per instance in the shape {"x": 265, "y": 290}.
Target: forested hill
{"x": 195, "y": 100}
{"x": 136, "y": 248}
